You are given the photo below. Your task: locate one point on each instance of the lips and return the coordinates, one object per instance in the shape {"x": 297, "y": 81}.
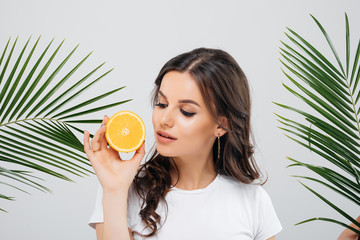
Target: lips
{"x": 165, "y": 135}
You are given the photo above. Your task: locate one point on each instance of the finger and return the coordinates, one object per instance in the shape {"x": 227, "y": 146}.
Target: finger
{"x": 89, "y": 152}
{"x": 139, "y": 154}
{"x": 87, "y": 147}
{"x": 106, "y": 119}
{"x": 98, "y": 139}
{"x": 102, "y": 139}
{"x": 353, "y": 224}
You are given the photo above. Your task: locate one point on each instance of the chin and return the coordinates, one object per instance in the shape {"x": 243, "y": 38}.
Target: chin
{"x": 164, "y": 153}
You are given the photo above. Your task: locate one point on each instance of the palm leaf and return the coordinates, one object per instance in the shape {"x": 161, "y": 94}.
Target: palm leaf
{"x": 8, "y": 60}
{"x": 331, "y": 45}
{"x": 332, "y": 129}
{"x": 332, "y": 221}
{"x": 315, "y": 77}
{"x": 322, "y": 145}
{"x": 15, "y": 84}
{"x": 316, "y": 56}
{"x": 19, "y": 96}
{"x": 339, "y": 189}
{"x": 41, "y": 112}
{"x": 333, "y": 206}
{"x": 10, "y": 78}
{"x": 3, "y": 54}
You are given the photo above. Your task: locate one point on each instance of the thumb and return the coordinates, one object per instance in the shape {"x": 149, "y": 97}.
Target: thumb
{"x": 139, "y": 154}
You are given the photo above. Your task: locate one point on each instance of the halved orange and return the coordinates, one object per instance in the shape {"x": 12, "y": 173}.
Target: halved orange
{"x": 125, "y": 131}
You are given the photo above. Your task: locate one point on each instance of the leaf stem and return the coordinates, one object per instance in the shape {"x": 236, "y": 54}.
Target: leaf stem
{"x": 30, "y": 119}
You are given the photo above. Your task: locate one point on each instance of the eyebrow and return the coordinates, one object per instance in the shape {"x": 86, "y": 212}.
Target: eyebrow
{"x": 182, "y": 100}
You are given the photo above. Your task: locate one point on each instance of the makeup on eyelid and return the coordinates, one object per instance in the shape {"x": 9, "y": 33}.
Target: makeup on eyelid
{"x": 187, "y": 113}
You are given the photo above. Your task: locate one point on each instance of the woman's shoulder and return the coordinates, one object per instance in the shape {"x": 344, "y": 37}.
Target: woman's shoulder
{"x": 235, "y": 186}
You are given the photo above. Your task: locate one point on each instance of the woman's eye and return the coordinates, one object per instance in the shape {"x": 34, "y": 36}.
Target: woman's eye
{"x": 187, "y": 114}
{"x": 161, "y": 105}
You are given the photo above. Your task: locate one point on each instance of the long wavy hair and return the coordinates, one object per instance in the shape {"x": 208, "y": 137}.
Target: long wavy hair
{"x": 225, "y": 91}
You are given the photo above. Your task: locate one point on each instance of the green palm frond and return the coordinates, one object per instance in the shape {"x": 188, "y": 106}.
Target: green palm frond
{"x": 41, "y": 112}
{"x": 332, "y": 128}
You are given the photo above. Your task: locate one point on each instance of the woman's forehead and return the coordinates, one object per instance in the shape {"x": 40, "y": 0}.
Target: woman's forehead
{"x": 180, "y": 85}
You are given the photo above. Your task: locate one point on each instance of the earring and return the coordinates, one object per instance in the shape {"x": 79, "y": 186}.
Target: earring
{"x": 218, "y": 138}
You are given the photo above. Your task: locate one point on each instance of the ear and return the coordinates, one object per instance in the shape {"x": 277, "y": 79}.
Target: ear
{"x": 221, "y": 127}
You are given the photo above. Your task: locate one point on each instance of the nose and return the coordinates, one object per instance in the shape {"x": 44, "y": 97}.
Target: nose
{"x": 167, "y": 118}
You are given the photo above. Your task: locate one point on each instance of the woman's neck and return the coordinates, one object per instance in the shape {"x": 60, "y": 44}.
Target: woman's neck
{"x": 194, "y": 172}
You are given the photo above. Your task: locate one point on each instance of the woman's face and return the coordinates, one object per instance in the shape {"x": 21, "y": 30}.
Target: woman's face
{"x": 182, "y": 123}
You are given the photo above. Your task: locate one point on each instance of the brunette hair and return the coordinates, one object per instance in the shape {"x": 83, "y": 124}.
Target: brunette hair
{"x": 225, "y": 91}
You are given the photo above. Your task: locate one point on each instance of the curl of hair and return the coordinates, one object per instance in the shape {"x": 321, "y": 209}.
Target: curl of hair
{"x": 225, "y": 90}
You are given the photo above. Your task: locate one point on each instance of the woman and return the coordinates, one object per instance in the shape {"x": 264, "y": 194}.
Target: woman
{"x": 200, "y": 181}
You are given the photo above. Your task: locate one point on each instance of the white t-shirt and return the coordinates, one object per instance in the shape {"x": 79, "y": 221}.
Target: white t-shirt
{"x": 225, "y": 209}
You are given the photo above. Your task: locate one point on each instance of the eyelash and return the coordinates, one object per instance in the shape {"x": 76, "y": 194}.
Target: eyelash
{"x": 187, "y": 114}
{"x": 161, "y": 105}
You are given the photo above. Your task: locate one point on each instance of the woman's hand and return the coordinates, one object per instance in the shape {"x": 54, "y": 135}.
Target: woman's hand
{"x": 347, "y": 234}
{"x": 113, "y": 173}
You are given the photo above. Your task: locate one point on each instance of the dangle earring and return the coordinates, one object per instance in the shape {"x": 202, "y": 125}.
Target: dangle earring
{"x": 218, "y": 139}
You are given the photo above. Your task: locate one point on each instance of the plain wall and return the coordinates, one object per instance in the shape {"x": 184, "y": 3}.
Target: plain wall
{"x": 137, "y": 38}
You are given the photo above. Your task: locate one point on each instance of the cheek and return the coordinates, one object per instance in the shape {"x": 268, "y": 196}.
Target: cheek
{"x": 154, "y": 117}
{"x": 195, "y": 128}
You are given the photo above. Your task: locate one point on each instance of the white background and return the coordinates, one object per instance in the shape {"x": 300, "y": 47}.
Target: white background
{"x": 137, "y": 38}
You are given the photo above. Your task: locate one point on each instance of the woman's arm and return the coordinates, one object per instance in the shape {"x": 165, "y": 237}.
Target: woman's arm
{"x": 115, "y": 215}
{"x": 115, "y": 176}
{"x": 100, "y": 228}
{"x": 272, "y": 238}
